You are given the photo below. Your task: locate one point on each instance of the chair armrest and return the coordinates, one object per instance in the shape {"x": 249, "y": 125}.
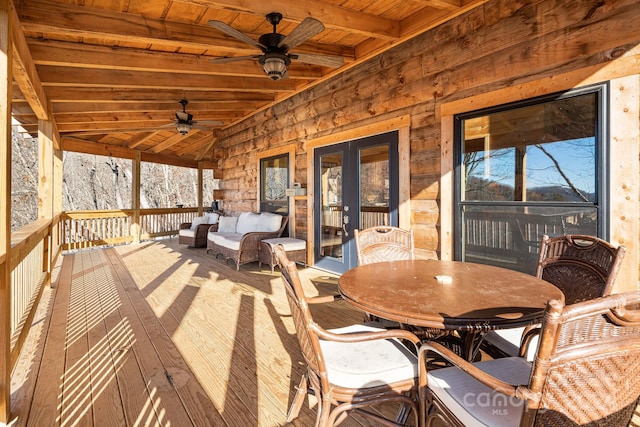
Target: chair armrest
{"x": 212, "y": 228}
{"x": 525, "y": 341}
{"x": 366, "y": 336}
{"x": 517, "y": 391}
{"x": 324, "y": 299}
{"x": 253, "y": 238}
{"x": 185, "y": 225}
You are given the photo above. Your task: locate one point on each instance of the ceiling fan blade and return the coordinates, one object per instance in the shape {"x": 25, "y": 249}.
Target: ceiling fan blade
{"x": 229, "y": 30}
{"x": 303, "y": 32}
{"x": 201, "y": 123}
{"x": 227, "y": 59}
{"x": 324, "y": 60}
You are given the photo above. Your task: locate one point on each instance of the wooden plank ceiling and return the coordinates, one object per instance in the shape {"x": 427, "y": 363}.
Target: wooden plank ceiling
{"x": 114, "y": 71}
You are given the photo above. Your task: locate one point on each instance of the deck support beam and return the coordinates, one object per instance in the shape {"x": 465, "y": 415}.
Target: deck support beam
{"x": 6, "y": 22}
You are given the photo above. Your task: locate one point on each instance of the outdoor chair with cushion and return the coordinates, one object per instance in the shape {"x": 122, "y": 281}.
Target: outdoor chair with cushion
{"x": 194, "y": 233}
{"x": 383, "y": 243}
{"x": 583, "y": 267}
{"x": 585, "y": 372}
{"x": 353, "y": 368}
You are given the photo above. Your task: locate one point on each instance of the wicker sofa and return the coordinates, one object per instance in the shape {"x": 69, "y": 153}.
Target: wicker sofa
{"x": 238, "y": 237}
{"x": 194, "y": 233}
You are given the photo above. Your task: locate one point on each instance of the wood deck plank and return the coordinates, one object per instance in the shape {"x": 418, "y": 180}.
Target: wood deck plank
{"x": 101, "y": 309}
{"x": 44, "y": 408}
{"x": 196, "y": 405}
{"x": 137, "y": 405}
{"x": 76, "y": 387}
{"x": 182, "y": 338}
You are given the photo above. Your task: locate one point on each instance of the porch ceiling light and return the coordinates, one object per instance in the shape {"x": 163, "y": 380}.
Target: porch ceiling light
{"x": 275, "y": 66}
{"x": 183, "y": 127}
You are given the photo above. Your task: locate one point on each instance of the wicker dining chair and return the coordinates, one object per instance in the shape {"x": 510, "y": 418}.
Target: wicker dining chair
{"x": 585, "y": 372}
{"x": 353, "y": 368}
{"x": 583, "y": 267}
{"x": 383, "y": 243}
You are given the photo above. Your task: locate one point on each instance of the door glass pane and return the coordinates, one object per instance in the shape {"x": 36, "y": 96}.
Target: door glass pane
{"x": 331, "y": 205}
{"x": 374, "y": 186}
{"x": 274, "y": 177}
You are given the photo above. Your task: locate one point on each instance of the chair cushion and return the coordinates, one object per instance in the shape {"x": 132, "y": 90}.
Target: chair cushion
{"x": 288, "y": 243}
{"x": 226, "y": 240}
{"x": 369, "y": 363}
{"x": 269, "y": 222}
{"x": 212, "y": 217}
{"x": 247, "y": 222}
{"x": 227, "y": 224}
{"x": 195, "y": 222}
{"x": 475, "y": 404}
{"x": 508, "y": 341}
{"x": 187, "y": 232}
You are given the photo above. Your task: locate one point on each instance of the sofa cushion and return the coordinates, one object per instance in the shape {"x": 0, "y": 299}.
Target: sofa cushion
{"x": 226, "y": 240}
{"x": 269, "y": 222}
{"x": 212, "y": 217}
{"x": 247, "y": 222}
{"x": 187, "y": 232}
{"x": 227, "y": 224}
{"x": 195, "y": 222}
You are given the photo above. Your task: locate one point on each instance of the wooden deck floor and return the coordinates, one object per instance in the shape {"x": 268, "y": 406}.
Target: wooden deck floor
{"x": 160, "y": 334}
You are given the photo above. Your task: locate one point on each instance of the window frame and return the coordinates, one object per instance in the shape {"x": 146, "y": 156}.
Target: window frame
{"x": 290, "y": 151}
{"x": 602, "y": 203}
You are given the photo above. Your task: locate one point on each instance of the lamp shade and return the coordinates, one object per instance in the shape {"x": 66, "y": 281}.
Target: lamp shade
{"x": 183, "y": 127}
{"x": 275, "y": 67}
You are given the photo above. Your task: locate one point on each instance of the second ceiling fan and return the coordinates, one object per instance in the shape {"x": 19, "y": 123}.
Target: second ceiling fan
{"x": 275, "y": 47}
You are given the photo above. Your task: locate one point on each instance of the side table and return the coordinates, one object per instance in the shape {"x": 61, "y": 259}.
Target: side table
{"x": 296, "y": 250}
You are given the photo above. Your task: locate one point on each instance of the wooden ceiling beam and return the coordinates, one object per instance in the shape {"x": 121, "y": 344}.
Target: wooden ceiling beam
{"x": 119, "y": 127}
{"x": 79, "y": 145}
{"x": 69, "y": 21}
{"x": 330, "y": 14}
{"x": 140, "y": 139}
{"x": 75, "y": 77}
{"x": 194, "y": 146}
{"x": 169, "y": 142}
{"x": 150, "y": 107}
{"x": 159, "y": 117}
{"x": 24, "y": 70}
{"x": 65, "y": 54}
{"x": 69, "y": 94}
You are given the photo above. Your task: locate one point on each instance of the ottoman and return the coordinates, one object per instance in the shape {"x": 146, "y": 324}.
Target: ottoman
{"x": 296, "y": 250}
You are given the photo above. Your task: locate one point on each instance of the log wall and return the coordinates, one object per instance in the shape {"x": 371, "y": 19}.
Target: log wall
{"x": 495, "y": 48}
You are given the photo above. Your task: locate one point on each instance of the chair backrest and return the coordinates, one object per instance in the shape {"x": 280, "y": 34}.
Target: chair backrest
{"x": 588, "y": 363}
{"x": 383, "y": 243}
{"x": 302, "y": 319}
{"x": 583, "y": 267}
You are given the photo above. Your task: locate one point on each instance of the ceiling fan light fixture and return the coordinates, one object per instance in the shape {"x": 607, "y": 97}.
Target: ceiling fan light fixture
{"x": 275, "y": 67}
{"x": 183, "y": 127}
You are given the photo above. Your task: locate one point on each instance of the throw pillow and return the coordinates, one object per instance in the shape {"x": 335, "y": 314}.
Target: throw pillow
{"x": 212, "y": 218}
{"x": 227, "y": 224}
{"x": 269, "y": 222}
{"x": 248, "y": 222}
{"x": 197, "y": 221}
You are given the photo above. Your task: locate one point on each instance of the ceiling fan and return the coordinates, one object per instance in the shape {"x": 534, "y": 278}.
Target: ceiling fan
{"x": 275, "y": 47}
{"x": 184, "y": 121}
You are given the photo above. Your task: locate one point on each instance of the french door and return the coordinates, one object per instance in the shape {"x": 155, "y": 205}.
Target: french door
{"x": 356, "y": 187}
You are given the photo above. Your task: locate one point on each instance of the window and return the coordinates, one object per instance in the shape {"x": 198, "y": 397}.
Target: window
{"x": 274, "y": 181}
{"x": 527, "y": 169}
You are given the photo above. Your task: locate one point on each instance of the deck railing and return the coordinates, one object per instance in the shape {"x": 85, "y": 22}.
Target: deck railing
{"x": 85, "y": 229}
{"x": 34, "y": 249}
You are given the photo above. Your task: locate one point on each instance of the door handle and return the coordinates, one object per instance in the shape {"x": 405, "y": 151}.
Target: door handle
{"x": 345, "y": 221}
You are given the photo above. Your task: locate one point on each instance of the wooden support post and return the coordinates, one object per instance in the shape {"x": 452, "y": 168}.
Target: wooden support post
{"x": 200, "y": 188}
{"x": 5, "y": 210}
{"x": 45, "y": 183}
{"x": 135, "y": 203}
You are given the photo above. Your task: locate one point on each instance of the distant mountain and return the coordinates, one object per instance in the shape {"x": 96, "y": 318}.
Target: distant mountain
{"x": 486, "y": 190}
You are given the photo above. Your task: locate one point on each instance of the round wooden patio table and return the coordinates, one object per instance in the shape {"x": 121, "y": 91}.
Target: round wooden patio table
{"x": 476, "y": 298}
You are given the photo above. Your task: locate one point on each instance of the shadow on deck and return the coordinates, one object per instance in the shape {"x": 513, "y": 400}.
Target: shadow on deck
{"x": 160, "y": 334}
